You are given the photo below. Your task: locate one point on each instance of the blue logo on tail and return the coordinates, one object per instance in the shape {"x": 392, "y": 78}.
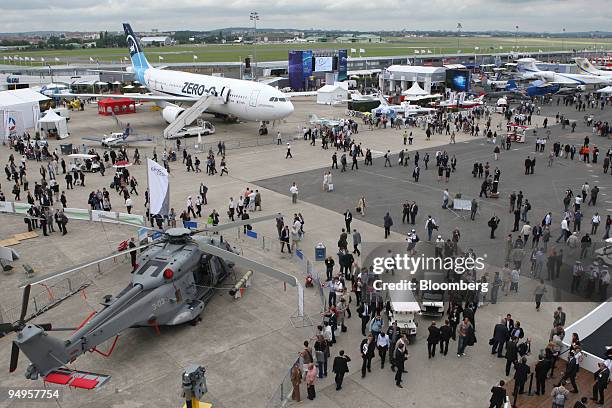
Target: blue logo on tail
{"x": 139, "y": 61}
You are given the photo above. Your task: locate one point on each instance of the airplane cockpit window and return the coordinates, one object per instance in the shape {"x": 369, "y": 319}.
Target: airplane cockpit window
{"x": 272, "y": 99}
{"x": 282, "y": 100}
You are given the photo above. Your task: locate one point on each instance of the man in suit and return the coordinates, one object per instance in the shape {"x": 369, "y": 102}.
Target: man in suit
{"x": 571, "y": 369}
{"x": 559, "y": 317}
{"x": 433, "y": 339}
{"x": 393, "y": 332}
{"x": 541, "y": 368}
{"x": 348, "y": 218}
{"x": 521, "y": 371}
{"x": 364, "y": 313}
{"x": 601, "y": 382}
{"x": 399, "y": 357}
{"x": 445, "y": 334}
{"x": 368, "y": 345}
{"x": 340, "y": 368}
{"x": 498, "y": 395}
{"x": 511, "y": 354}
{"x": 500, "y": 335}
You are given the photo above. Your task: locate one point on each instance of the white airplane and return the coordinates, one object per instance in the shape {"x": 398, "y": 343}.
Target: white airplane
{"x": 529, "y": 71}
{"x": 584, "y": 65}
{"x": 118, "y": 139}
{"x": 246, "y": 100}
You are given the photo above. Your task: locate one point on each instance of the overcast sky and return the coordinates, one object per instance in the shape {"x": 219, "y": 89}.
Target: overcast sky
{"x": 95, "y": 15}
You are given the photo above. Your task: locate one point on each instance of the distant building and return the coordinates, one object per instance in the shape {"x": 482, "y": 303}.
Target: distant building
{"x": 361, "y": 38}
{"x": 156, "y": 41}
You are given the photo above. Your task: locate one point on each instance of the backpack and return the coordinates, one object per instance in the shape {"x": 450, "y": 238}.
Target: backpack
{"x": 559, "y": 400}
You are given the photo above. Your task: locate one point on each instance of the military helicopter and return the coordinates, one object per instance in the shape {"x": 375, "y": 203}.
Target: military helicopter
{"x": 176, "y": 276}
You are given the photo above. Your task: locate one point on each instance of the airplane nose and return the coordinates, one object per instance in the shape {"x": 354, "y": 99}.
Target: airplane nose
{"x": 289, "y": 109}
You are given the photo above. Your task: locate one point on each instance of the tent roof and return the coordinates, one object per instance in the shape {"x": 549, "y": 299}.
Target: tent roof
{"x": 415, "y": 90}
{"x": 51, "y": 117}
{"x": 416, "y": 69}
{"x": 115, "y": 101}
{"x": 20, "y": 96}
{"x": 330, "y": 88}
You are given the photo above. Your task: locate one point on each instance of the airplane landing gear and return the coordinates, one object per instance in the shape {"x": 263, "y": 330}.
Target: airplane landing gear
{"x": 263, "y": 129}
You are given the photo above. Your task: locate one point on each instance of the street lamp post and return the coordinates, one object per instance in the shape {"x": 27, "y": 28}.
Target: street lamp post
{"x": 516, "y": 37}
{"x": 563, "y": 40}
{"x": 254, "y": 18}
{"x": 459, "y": 27}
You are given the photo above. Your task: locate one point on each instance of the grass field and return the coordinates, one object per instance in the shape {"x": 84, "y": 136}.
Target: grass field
{"x": 278, "y": 52}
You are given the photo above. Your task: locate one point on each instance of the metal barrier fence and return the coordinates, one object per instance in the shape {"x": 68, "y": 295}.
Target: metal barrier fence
{"x": 282, "y": 394}
{"x": 193, "y": 146}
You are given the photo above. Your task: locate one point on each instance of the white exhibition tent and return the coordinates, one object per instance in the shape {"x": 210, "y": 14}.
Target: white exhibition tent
{"x": 606, "y": 90}
{"x": 21, "y": 107}
{"x": 415, "y": 90}
{"x": 332, "y": 94}
{"x": 52, "y": 120}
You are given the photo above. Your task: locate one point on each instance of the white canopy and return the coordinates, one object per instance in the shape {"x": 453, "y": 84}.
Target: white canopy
{"x": 129, "y": 87}
{"x": 415, "y": 90}
{"x": 502, "y": 101}
{"x": 607, "y": 89}
{"x": 52, "y": 120}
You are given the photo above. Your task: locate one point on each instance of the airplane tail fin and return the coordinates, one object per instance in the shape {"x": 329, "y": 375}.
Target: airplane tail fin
{"x": 382, "y": 100}
{"x": 139, "y": 61}
{"x": 527, "y": 65}
{"x": 585, "y": 66}
{"x": 511, "y": 85}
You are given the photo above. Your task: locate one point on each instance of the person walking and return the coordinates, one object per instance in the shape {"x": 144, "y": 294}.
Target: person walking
{"x": 498, "y": 395}
{"x": 539, "y": 293}
{"x": 432, "y": 339}
{"x": 289, "y": 155}
{"x": 446, "y": 332}
{"x": 340, "y": 368}
{"x": 387, "y": 223}
{"x": 294, "y": 193}
{"x": 399, "y": 360}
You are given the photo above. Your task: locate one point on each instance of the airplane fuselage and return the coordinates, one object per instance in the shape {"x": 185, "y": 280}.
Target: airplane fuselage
{"x": 247, "y": 100}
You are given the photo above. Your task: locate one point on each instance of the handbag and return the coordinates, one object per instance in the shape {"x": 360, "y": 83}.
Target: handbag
{"x": 330, "y": 187}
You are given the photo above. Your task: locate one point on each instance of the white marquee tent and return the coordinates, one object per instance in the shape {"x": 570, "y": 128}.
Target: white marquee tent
{"x": 23, "y": 105}
{"x": 415, "y": 90}
{"x": 332, "y": 94}
{"x": 53, "y": 121}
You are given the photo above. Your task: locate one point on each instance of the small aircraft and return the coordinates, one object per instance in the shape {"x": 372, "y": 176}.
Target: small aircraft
{"x": 119, "y": 138}
{"x": 315, "y": 120}
{"x": 459, "y": 102}
{"x": 174, "y": 279}
{"x": 528, "y": 70}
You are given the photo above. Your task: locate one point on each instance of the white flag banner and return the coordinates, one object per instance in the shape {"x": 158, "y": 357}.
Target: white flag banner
{"x": 56, "y": 59}
{"x": 195, "y": 57}
{"x": 361, "y": 50}
{"x": 353, "y": 50}
{"x": 91, "y": 59}
{"x": 161, "y": 58}
{"x": 159, "y": 188}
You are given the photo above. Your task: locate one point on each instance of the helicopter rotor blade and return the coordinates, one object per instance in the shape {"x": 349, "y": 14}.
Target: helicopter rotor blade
{"x": 53, "y": 275}
{"x": 24, "y": 302}
{"x": 6, "y": 327}
{"x": 248, "y": 264}
{"x": 239, "y": 223}
{"x": 14, "y": 358}
{"x": 131, "y": 224}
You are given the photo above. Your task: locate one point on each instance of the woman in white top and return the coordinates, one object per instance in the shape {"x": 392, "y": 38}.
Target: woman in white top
{"x": 325, "y": 182}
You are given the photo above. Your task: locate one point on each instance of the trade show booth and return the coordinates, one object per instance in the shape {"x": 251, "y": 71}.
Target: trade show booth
{"x": 121, "y": 106}
{"x": 52, "y": 125}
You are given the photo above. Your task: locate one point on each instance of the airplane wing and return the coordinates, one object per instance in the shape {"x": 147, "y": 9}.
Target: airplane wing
{"x": 93, "y": 138}
{"x": 138, "y": 138}
{"x": 143, "y": 97}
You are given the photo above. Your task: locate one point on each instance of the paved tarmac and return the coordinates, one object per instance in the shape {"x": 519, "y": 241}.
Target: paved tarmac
{"x": 249, "y": 344}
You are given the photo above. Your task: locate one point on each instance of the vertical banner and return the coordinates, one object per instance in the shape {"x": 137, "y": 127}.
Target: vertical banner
{"x": 342, "y": 65}
{"x": 159, "y": 188}
{"x": 307, "y": 64}
{"x": 296, "y": 70}
{"x": 300, "y": 301}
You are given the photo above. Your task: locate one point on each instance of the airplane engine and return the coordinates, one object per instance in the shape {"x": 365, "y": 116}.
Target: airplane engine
{"x": 171, "y": 112}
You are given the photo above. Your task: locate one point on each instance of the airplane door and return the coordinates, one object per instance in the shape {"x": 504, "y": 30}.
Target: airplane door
{"x": 253, "y": 101}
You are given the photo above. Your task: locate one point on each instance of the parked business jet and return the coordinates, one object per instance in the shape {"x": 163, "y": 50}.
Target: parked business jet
{"x": 584, "y": 65}
{"x": 246, "y": 100}
{"x": 528, "y": 71}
